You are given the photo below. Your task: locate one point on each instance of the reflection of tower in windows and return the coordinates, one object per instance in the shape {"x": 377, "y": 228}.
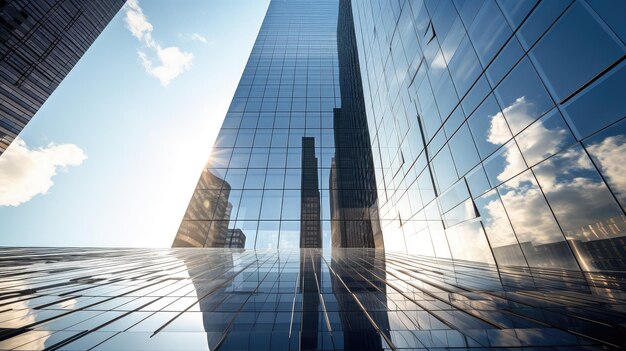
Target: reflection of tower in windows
{"x": 206, "y": 270}
{"x": 363, "y": 322}
{"x": 235, "y": 239}
{"x": 310, "y": 271}
{"x": 205, "y": 223}
{"x": 310, "y": 224}
{"x": 354, "y": 205}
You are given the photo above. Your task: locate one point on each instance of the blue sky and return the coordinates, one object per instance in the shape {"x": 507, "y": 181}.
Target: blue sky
{"x": 132, "y": 132}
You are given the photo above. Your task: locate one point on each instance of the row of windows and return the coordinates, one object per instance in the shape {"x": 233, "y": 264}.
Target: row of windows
{"x": 492, "y": 86}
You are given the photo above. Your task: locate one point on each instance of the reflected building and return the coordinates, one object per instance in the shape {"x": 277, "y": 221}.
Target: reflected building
{"x": 350, "y": 299}
{"x": 310, "y": 207}
{"x": 205, "y": 223}
{"x": 40, "y": 42}
{"x": 235, "y": 239}
{"x": 364, "y": 321}
{"x": 313, "y": 315}
{"x": 353, "y": 198}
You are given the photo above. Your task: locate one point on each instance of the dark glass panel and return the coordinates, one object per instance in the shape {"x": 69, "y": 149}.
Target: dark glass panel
{"x": 574, "y": 50}
{"x": 600, "y": 104}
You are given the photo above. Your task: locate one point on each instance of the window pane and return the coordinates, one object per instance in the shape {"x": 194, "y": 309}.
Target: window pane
{"x": 537, "y": 232}
{"x": 489, "y": 128}
{"x": 499, "y": 231}
{"x": 504, "y": 164}
{"x": 463, "y": 150}
{"x": 600, "y": 104}
{"x": 523, "y": 97}
{"x": 544, "y": 138}
{"x": 574, "y": 51}
{"x": 608, "y": 152}
{"x": 489, "y": 31}
{"x": 584, "y": 207}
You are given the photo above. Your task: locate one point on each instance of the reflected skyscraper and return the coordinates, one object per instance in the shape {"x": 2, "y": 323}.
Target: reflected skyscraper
{"x": 310, "y": 207}
{"x": 40, "y": 42}
{"x": 354, "y": 205}
{"x": 210, "y": 201}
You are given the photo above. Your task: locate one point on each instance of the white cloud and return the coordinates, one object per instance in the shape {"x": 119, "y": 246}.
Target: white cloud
{"x": 610, "y": 155}
{"x": 172, "y": 60}
{"x": 26, "y": 172}
{"x": 200, "y": 38}
{"x": 163, "y": 63}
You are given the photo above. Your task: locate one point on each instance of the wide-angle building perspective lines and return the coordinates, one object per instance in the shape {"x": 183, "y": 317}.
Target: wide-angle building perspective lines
{"x": 389, "y": 175}
{"x": 40, "y": 43}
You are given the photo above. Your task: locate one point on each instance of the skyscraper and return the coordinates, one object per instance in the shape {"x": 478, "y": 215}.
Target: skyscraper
{"x": 40, "y": 42}
{"x": 481, "y": 144}
{"x": 283, "y": 129}
{"x": 448, "y": 129}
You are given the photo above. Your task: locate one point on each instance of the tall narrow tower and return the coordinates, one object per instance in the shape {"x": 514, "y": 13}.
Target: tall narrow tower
{"x": 40, "y": 42}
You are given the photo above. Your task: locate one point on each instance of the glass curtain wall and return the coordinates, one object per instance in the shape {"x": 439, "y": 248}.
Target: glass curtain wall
{"x": 291, "y": 165}
{"x": 498, "y": 129}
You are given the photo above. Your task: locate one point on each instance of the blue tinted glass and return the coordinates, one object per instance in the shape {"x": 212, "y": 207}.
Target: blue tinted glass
{"x": 600, "y": 104}
{"x": 505, "y": 60}
{"x": 445, "y": 96}
{"x": 454, "y": 121}
{"x": 516, "y": 10}
{"x": 575, "y": 50}
{"x": 464, "y": 67}
{"x": 522, "y": 96}
{"x": 463, "y": 150}
{"x": 504, "y": 164}
{"x": 489, "y": 31}
{"x": 488, "y": 127}
{"x": 611, "y": 12}
{"x": 467, "y": 10}
{"x": 476, "y": 95}
{"x": 540, "y": 20}
{"x": 477, "y": 181}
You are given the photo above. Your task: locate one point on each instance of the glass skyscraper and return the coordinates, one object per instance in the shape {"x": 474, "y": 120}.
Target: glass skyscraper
{"x": 390, "y": 175}
{"x": 40, "y": 42}
{"x": 292, "y": 165}
{"x": 487, "y": 131}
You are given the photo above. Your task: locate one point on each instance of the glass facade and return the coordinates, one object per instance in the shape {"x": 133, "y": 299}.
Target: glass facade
{"x": 350, "y": 299}
{"x": 489, "y": 131}
{"x": 498, "y": 129}
{"x": 292, "y": 166}
{"x": 40, "y": 42}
